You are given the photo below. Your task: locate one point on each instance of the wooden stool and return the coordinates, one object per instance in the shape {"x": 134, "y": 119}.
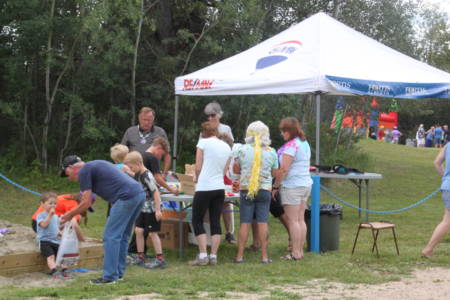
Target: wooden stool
{"x": 376, "y": 227}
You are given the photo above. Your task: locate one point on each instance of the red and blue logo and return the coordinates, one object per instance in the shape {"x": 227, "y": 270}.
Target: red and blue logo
{"x": 279, "y": 53}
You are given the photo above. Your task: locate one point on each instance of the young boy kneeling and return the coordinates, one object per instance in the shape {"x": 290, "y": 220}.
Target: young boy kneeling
{"x": 150, "y": 216}
{"x": 48, "y": 234}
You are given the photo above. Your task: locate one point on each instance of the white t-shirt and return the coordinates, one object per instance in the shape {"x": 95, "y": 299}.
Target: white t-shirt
{"x": 222, "y": 128}
{"x": 215, "y": 156}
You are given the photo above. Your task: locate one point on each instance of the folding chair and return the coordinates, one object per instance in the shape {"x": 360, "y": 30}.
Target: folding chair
{"x": 376, "y": 227}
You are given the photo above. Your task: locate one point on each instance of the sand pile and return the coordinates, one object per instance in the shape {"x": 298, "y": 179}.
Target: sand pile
{"x": 18, "y": 239}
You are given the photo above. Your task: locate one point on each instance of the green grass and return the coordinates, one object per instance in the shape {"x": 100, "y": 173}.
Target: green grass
{"x": 408, "y": 176}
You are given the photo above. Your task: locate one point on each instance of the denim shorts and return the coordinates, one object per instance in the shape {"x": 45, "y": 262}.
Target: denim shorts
{"x": 446, "y": 198}
{"x": 256, "y": 209}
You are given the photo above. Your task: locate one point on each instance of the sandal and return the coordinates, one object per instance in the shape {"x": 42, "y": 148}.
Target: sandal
{"x": 290, "y": 257}
{"x": 238, "y": 261}
{"x": 266, "y": 261}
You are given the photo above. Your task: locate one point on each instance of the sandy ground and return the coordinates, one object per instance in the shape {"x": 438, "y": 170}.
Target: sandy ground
{"x": 18, "y": 239}
{"x": 427, "y": 284}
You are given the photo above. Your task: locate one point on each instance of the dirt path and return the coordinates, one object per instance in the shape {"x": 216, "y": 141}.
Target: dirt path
{"x": 429, "y": 284}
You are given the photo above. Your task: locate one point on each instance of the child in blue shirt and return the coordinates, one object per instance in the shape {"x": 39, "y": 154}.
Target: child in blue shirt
{"x": 48, "y": 234}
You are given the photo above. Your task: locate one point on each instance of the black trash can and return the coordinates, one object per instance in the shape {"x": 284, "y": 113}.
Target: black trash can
{"x": 330, "y": 216}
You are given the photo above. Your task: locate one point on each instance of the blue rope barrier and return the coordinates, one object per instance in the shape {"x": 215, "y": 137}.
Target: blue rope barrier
{"x": 19, "y": 186}
{"x": 378, "y": 211}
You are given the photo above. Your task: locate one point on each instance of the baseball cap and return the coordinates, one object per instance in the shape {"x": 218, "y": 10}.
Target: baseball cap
{"x": 68, "y": 161}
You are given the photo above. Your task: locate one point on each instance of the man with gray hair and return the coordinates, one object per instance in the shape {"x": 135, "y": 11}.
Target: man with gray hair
{"x": 139, "y": 138}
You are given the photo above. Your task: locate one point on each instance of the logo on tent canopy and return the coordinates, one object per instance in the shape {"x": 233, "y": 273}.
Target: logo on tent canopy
{"x": 278, "y": 53}
{"x": 197, "y": 84}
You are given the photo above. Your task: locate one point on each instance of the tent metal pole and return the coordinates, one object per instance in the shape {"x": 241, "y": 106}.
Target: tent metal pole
{"x": 175, "y": 136}
{"x": 315, "y": 192}
{"x": 317, "y": 129}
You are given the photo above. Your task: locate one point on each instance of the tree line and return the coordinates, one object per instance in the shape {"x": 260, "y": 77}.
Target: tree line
{"x": 74, "y": 73}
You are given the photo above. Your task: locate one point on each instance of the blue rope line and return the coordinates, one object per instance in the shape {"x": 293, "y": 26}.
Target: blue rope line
{"x": 378, "y": 211}
{"x": 19, "y": 186}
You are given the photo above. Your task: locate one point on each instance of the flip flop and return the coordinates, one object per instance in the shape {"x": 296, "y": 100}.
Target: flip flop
{"x": 238, "y": 261}
{"x": 290, "y": 257}
{"x": 266, "y": 261}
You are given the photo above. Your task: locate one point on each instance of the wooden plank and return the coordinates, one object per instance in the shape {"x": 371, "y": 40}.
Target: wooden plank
{"x": 21, "y": 259}
{"x": 91, "y": 263}
{"x": 9, "y": 272}
{"x": 35, "y": 258}
{"x": 88, "y": 251}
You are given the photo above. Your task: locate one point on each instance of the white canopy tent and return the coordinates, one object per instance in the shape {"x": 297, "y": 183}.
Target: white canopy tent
{"x": 317, "y": 56}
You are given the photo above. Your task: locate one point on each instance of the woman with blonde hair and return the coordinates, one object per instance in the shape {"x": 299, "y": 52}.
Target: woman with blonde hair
{"x": 257, "y": 164}
{"x": 294, "y": 182}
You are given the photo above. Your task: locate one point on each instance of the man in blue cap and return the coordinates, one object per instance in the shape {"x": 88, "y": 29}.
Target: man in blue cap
{"x": 126, "y": 195}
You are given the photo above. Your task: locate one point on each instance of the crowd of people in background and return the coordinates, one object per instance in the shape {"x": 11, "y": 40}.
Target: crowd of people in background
{"x": 436, "y": 136}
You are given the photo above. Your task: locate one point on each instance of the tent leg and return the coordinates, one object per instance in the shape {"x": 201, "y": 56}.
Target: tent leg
{"x": 175, "y": 135}
{"x": 317, "y": 129}
{"x": 315, "y": 215}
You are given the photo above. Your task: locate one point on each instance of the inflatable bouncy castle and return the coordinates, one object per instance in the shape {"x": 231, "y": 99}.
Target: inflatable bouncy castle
{"x": 357, "y": 120}
{"x": 389, "y": 120}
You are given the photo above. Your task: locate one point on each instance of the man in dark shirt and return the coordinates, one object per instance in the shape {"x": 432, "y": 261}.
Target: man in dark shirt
{"x": 151, "y": 157}
{"x": 116, "y": 187}
{"x": 139, "y": 138}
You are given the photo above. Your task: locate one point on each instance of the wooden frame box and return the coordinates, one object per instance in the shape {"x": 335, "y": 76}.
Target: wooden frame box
{"x": 91, "y": 256}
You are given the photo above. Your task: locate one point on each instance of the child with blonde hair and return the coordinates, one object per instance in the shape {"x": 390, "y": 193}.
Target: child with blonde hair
{"x": 150, "y": 216}
{"x": 118, "y": 153}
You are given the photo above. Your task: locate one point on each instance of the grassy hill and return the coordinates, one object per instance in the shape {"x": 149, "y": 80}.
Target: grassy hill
{"x": 408, "y": 176}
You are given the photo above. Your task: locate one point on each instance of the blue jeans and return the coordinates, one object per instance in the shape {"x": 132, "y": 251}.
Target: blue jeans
{"x": 117, "y": 232}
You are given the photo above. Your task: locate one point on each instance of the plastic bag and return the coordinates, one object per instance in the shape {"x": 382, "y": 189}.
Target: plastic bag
{"x": 69, "y": 250}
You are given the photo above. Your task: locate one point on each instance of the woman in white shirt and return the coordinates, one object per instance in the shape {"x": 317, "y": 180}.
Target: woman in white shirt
{"x": 211, "y": 162}
{"x": 214, "y": 113}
